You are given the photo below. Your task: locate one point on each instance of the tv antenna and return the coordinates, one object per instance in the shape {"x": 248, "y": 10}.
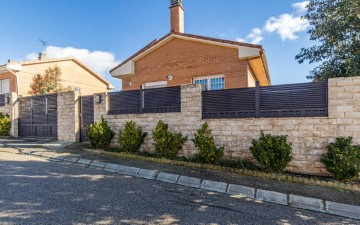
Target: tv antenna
{"x": 44, "y": 43}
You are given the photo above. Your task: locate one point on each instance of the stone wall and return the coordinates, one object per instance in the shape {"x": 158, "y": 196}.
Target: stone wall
{"x": 309, "y": 136}
{"x": 68, "y": 116}
{"x": 100, "y": 109}
{"x": 187, "y": 121}
{"x": 11, "y": 109}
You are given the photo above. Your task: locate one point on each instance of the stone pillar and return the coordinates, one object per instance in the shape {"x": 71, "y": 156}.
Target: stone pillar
{"x": 14, "y": 105}
{"x": 344, "y": 106}
{"x": 100, "y": 108}
{"x": 11, "y": 108}
{"x": 68, "y": 116}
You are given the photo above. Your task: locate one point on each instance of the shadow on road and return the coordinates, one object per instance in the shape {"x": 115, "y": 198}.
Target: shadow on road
{"x": 40, "y": 192}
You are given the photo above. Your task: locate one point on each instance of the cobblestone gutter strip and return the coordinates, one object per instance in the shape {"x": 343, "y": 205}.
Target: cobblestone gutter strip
{"x": 281, "y": 177}
{"x": 236, "y": 191}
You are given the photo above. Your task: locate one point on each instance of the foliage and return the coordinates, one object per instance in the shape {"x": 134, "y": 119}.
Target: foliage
{"x": 166, "y": 143}
{"x": 343, "y": 159}
{"x": 5, "y": 124}
{"x": 100, "y": 134}
{"x": 131, "y": 138}
{"x": 335, "y": 26}
{"x": 48, "y": 83}
{"x": 205, "y": 142}
{"x": 272, "y": 152}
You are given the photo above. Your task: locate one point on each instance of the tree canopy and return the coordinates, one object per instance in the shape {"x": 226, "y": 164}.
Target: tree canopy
{"x": 335, "y": 26}
{"x": 49, "y": 82}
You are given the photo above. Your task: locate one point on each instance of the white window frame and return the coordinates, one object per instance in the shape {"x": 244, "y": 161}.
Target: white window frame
{"x": 209, "y": 80}
{"x": 158, "y": 84}
{"x": 3, "y": 83}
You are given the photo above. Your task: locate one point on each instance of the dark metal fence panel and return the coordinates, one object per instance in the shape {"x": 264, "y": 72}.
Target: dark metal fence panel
{"x": 38, "y": 116}
{"x": 230, "y": 103}
{"x": 156, "y": 100}
{"x": 86, "y": 114}
{"x": 2, "y": 100}
{"x": 162, "y": 100}
{"x": 124, "y": 102}
{"x": 294, "y": 100}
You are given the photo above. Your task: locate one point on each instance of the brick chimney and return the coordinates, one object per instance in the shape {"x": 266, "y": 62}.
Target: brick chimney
{"x": 177, "y": 16}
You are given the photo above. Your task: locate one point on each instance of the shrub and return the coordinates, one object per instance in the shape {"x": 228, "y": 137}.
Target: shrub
{"x": 100, "y": 134}
{"x": 272, "y": 152}
{"x": 131, "y": 138}
{"x": 342, "y": 159}
{"x": 5, "y": 124}
{"x": 166, "y": 143}
{"x": 205, "y": 142}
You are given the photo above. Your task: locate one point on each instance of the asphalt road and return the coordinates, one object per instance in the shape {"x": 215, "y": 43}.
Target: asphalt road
{"x": 36, "y": 191}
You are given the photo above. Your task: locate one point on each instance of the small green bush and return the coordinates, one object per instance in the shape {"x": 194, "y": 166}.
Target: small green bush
{"x": 342, "y": 159}
{"x": 100, "y": 134}
{"x": 167, "y": 144}
{"x": 205, "y": 142}
{"x": 5, "y": 124}
{"x": 272, "y": 152}
{"x": 131, "y": 138}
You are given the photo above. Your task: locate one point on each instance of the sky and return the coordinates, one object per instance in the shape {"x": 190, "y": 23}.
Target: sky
{"x": 103, "y": 33}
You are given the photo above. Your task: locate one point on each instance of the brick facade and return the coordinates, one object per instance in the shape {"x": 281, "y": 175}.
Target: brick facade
{"x": 184, "y": 60}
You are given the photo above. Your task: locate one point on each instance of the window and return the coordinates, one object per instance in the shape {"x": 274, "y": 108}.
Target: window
{"x": 211, "y": 82}
{"x": 158, "y": 84}
{"x": 4, "y": 86}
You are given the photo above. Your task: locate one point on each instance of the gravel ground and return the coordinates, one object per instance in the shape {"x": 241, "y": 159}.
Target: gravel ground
{"x": 36, "y": 191}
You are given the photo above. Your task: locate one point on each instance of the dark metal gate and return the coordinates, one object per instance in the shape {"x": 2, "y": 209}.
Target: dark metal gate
{"x": 38, "y": 116}
{"x": 86, "y": 115}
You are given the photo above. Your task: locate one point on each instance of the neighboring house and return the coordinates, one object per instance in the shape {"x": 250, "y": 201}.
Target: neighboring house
{"x": 179, "y": 58}
{"x": 17, "y": 76}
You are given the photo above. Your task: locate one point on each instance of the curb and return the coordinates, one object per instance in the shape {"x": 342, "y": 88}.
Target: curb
{"x": 283, "y": 177}
{"x": 239, "y": 191}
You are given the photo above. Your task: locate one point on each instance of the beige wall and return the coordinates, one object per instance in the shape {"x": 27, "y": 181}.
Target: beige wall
{"x": 250, "y": 77}
{"x": 73, "y": 75}
{"x": 309, "y": 136}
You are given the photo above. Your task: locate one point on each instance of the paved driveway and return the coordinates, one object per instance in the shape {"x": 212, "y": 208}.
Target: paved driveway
{"x": 35, "y": 191}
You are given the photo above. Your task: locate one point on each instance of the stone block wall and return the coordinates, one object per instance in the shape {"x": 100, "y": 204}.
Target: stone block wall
{"x": 68, "y": 116}
{"x": 186, "y": 122}
{"x": 309, "y": 136}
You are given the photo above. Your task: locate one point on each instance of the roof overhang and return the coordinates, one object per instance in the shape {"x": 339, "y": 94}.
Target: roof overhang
{"x": 10, "y": 68}
{"x": 253, "y": 54}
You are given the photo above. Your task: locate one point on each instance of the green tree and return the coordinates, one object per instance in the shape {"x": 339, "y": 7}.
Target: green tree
{"x": 335, "y": 27}
{"x": 49, "y": 82}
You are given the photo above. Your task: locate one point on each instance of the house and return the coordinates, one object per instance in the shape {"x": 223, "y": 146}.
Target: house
{"x": 17, "y": 76}
{"x": 180, "y": 58}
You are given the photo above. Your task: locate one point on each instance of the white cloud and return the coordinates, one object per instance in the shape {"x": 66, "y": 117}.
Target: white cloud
{"x": 300, "y": 7}
{"x": 255, "y": 37}
{"x": 99, "y": 61}
{"x": 286, "y": 25}
{"x": 240, "y": 39}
